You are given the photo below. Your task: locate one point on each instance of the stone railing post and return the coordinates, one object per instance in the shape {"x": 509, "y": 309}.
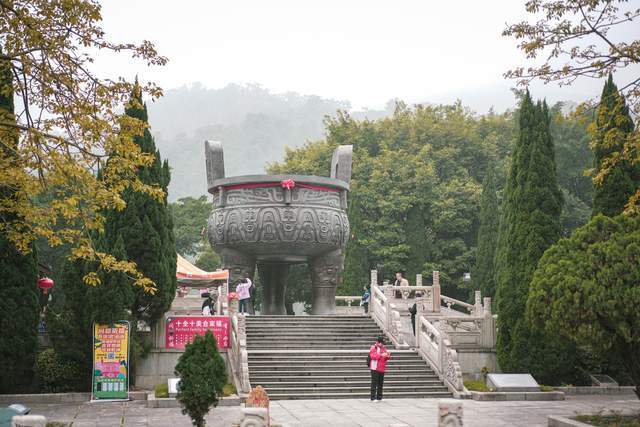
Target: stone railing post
{"x": 488, "y": 332}
{"x": 418, "y": 279}
{"x": 374, "y": 278}
{"x": 477, "y": 309}
{"x": 436, "y": 292}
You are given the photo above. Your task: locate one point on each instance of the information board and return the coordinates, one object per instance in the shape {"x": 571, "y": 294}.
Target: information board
{"x": 180, "y": 331}
{"x": 110, "y": 360}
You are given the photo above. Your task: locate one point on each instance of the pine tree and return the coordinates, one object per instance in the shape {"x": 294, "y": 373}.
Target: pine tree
{"x": 415, "y": 231}
{"x": 483, "y": 273}
{"x": 146, "y": 227}
{"x": 530, "y": 224}
{"x": 18, "y": 273}
{"x": 612, "y": 128}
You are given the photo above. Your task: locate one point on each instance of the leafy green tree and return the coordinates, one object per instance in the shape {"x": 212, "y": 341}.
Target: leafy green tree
{"x": 483, "y": 272}
{"x": 612, "y": 130}
{"x": 530, "y": 224}
{"x": 208, "y": 260}
{"x": 190, "y": 219}
{"x": 203, "y": 374}
{"x": 146, "y": 226}
{"x": 585, "y": 289}
{"x": 18, "y": 287}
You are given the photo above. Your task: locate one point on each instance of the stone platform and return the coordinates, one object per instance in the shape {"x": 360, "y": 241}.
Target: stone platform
{"x": 337, "y": 413}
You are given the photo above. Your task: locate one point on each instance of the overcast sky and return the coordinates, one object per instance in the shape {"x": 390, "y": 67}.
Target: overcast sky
{"x": 363, "y": 51}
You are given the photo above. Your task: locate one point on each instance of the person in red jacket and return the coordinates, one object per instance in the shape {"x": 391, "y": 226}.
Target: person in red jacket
{"x": 379, "y": 356}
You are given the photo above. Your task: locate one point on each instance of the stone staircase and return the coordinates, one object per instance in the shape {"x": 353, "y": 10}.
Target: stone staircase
{"x": 324, "y": 357}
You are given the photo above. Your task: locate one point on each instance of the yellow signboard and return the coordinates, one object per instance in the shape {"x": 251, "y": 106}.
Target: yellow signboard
{"x": 110, "y": 360}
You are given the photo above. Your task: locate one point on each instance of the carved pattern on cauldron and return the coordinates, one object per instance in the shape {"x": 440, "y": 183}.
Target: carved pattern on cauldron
{"x": 232, "y": 225}
{"x": 275, "y": 195}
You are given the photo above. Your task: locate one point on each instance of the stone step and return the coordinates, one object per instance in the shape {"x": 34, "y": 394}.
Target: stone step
{"x": 333, "y": 381}
{"x": 324, "y": 368}
{"x": 294, "y": 340}
{"x": 328, "y": 363}
{"x": 359, "y": 395}
{"x": 255, "y": 318}
{"x": 275, "y": 327}
{"x": 343, "y": 372}
{"x": 321, "y": 358}
{"x": 319, "y": 333}
{"x": 353, "y": 389}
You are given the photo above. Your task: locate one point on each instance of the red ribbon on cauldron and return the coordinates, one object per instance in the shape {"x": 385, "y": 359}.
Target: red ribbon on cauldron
{"x": 288, "y": 184}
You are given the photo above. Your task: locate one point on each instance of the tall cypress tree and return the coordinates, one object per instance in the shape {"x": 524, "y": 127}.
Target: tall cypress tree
{"x": 483, "y": 273}
{"x": 613, "y": 126}
{"x": 18, "y": 272}
{"x": 146, "y": 226}
{"x": 76, "y": 306}
{"x": 530, "y": 224}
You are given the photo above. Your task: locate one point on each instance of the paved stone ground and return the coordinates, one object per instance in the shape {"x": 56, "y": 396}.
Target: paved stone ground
{"x": 339, "y": 413}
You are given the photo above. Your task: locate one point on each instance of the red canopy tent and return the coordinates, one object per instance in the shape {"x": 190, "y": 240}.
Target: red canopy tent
{"x": 190, "y": 275}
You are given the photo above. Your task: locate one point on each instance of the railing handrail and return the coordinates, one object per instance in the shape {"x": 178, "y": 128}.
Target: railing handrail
{"x": 238, "y": 354}
{"x": 347, "y": 298}
{"x": 453, "y": 301}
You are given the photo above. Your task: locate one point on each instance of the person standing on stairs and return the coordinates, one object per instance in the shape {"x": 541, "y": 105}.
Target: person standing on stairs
{"x": 243, "y": 294}
{"x": 378, "y": 356}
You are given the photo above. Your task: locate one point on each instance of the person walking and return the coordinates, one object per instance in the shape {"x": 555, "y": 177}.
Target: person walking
{"x": 414, "y": 310}
{"x": 378, "y": 356}
{"x": 364, "y": 301}
{"x": 400, "y": 281}
{"x": 243, "y": 294}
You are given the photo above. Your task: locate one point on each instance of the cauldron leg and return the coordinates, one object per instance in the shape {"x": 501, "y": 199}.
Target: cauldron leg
{"x": 273, "y": 276}
{"x": 240, "y": 266}
{"x": 326, "y": 271}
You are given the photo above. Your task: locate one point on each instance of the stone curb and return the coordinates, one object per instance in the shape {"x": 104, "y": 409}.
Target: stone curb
{"x": 504, "y": 396}
{"x": 556, "y": 421}
{"x": 172, "y": 402}
{"x": 596, "y": 390}
{"x": 48, "y": 398}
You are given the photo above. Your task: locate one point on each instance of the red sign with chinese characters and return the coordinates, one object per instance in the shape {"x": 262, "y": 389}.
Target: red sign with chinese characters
{"x": 180, "y": 331}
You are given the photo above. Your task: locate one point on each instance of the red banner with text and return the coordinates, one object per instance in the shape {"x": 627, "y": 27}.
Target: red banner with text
{"x": 180, "y": 331}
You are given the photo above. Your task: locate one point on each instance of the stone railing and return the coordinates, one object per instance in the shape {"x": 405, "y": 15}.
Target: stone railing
{"x": 238, "y": 356}
{"x": 349, "y": 307}
{"x": 434, "y": 346}
{"x": 385, "y": 313}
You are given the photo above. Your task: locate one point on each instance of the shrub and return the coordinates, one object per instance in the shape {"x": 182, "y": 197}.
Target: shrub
{"x": 476, "y": 386}
{"x": 203, "y": 375}
{"x": 228, "y": 390}
{"x": 162, "y": 391}
{"x": 58, "y": 375}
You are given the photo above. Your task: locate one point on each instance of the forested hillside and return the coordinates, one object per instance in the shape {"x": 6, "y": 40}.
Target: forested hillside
{"x": 254, "y": 125}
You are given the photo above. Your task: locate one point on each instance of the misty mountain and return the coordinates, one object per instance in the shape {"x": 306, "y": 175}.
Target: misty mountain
{"x": 253, "y": 124}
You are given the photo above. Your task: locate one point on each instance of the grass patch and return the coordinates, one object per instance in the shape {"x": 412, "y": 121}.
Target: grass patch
{"x": 162, "y": 391}
{"x": 228, "y": 390}
{"x": 476, "y": 386}
{"x": 610, "y": 420}
{"x": 546, "y": 388}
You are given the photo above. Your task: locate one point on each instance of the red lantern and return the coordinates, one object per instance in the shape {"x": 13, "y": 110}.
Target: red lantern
{"x": 45, "y": 284}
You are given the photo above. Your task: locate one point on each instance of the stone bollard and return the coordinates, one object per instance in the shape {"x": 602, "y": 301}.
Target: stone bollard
{"x": 256, "y": 411}
{"x": 449, "y": 413}
{"x": 28, "y": 421}
{"x": 254, "y": 417}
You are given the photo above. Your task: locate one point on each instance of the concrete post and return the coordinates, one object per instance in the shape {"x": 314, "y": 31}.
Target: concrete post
{"x": 418, "y": 279}
{"x": 374, "y": 278}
